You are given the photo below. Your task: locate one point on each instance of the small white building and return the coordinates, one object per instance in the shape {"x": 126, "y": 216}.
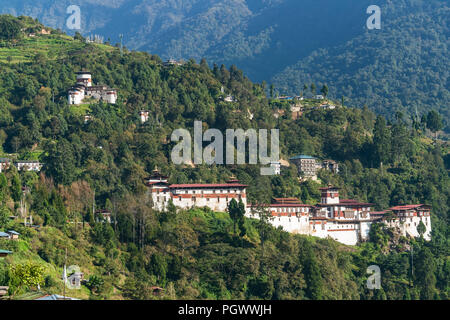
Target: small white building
{"x": 5, "y": 163}
{"x": 84, "y": 89}
{"x": 144, "y": 115}
{"x": 84, "y": 78}
{"x": 276, "y": 167}
{"x": 28, "y": 165}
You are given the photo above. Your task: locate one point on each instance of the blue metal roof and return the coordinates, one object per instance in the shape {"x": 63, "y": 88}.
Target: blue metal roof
{"x": 14, "y": 232}
{"x": 56, "y": 297}
{"x": 5, "y": 251}
{"x": 302, "y": 156}
{"x": 3, "y": 234}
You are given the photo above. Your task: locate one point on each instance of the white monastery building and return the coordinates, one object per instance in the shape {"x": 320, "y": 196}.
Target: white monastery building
{"x": 84, "y": 89}
{"x": 185, "y": 196}
{"x": 344, "y": 220}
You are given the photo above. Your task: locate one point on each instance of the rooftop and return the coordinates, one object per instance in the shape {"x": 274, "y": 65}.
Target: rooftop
{"x": 301, "y": 156}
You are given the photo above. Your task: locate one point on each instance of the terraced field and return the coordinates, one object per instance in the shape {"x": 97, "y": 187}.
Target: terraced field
{"x": 51, "y": 46}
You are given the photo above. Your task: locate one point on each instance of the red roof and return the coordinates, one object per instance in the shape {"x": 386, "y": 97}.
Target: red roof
{"x": 407, "y": 207}
{"x": 212, "y": 185}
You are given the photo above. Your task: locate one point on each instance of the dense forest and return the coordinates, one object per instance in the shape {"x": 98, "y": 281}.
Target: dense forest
{"x": 196, "y": 254}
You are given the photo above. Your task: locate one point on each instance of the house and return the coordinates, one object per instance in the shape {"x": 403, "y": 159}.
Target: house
{"x": 172, "y": 62}
{"x": 229, "y": 98}
{"x": 276, "y": 167}
{"x": 13, "y": 235}
{"x": 330, "y": 165}
{"x": 319, "y": 97}
{"x": 84, "y": 89}
{"x": 28, "y": 165}
{"x": 5, "y": 163}
{"x": 306, "y": 165}
{"x": 103, "y": 215}
{"x": 144, "y": 115}
{"x": 215, "y": 196}
{"x": 87, "y": 118}
{"x": 4, "y": 253}
{"x": 156, "y": 291}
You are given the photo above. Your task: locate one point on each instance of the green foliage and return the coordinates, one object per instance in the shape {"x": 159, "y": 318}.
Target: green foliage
{"x": 9, "y": 28}
{"x": 24, "y": 276}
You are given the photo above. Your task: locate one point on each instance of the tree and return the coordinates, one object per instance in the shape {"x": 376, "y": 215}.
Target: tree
{"x": 434, "y": 122}
{"x": 25, "y": 276}
{"x": 237, "y": 212}
{"x": 9, "y": 27}
{"x": 311, "y": 271}
{"x": 313, "y": 88}
{"x": 381, "y": 141}
{"x": 424, "y": 274}
{"x": 421, "y": 229}
{"x": 324, "y": 90}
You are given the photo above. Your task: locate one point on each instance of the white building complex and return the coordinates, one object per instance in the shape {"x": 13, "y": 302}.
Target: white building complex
{"x": 84, "y": 89}
{"x": 344, "y": 220}
{"x": 186, "y": 196}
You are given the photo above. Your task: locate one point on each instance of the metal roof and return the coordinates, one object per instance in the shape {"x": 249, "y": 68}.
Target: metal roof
{"x": 302, "y": 156}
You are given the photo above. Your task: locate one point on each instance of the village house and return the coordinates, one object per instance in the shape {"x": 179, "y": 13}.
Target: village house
{"x": 28, "y": 165}
{"x": 330, "y": 165}
{"x": 172, "y": 62}
{"x": 84, "y": 89}
{"x": 276, "y": 167}
{"x": 103, "y": 216}
{"x": 5, "y": 163}
{"x": 13, "y": 235}
{"x": 144, "y": 115}
{"x": 215, "y": 196}
{"x": 4, "y": 253}
{"x": 306, "y": 165}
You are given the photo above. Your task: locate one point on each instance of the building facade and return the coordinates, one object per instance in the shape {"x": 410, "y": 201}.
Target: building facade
{"x": 85, "y": 89}
{"x": 186, "y": 196}
{"x": 344, "y": 220}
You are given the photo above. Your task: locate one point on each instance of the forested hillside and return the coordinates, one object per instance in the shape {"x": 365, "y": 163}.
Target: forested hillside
{"x": 196, "y": 254}
{"x": 288, "y": 43}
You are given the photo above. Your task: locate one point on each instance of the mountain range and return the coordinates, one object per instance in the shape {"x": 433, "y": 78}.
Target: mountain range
{"x": 403, "y": 67}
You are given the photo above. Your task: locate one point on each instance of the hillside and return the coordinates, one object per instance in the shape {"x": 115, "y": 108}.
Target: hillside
{"x": 289, "y": 43}
{"x": 196, "y": 254}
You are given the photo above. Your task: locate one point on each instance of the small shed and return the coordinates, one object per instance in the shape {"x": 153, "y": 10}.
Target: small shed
{"x": 4, "y": 253}
{"x": 13, "y": 235}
